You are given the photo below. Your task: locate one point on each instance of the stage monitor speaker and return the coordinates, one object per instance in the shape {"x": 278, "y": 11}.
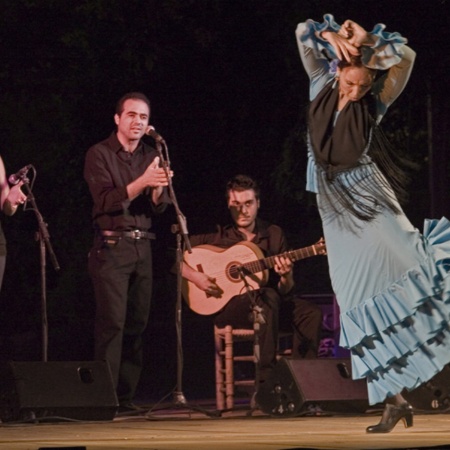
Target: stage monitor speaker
{"x": 433, "y": 395}
{"x": 297, "y": 385}
{"x": 56, "y": 391}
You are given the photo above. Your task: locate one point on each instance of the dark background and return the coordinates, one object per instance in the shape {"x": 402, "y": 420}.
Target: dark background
{"x": 228, "y": 94}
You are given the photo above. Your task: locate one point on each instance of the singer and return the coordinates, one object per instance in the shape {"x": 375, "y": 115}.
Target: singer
{"x": 10, "y": 199}
{"x": 128, "y": 186}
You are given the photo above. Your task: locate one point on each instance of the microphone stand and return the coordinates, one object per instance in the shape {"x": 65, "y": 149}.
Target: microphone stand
{"x": 258, "y": 320}
{"x": 181, "y": 231}
{"x": 44, "y": 239}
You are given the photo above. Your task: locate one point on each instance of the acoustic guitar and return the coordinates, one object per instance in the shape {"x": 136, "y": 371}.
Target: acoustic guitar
{"x": 234, "y": 268}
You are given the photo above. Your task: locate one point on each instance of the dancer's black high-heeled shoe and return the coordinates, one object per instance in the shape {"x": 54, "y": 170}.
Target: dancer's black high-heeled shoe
{"x": 391, "y": 415}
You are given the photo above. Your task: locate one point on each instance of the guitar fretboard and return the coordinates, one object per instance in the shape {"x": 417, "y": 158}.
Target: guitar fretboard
{"x": 268, "y": 263}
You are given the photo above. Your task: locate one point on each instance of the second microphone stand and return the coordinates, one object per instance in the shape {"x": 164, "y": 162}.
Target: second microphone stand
{"x": 44, "y": 244}
{"x": 258, "y": 320}
{"x": 182, "y": 234}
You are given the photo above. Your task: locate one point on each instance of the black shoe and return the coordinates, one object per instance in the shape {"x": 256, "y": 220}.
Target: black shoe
{"x": 391, "y": 415}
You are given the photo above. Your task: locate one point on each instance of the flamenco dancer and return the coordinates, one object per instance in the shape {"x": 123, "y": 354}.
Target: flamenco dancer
{"x": 391, "y": 282}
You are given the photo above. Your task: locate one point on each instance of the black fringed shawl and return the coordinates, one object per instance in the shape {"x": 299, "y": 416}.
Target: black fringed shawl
{"x": 339, "y": 147}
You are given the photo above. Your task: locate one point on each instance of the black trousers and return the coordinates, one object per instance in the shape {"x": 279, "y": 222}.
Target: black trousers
{"x": 304, "y": 320}
{"x": 121, "y": 272}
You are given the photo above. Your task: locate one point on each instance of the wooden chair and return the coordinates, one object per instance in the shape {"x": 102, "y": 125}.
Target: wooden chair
{"x": 225, "y": 360}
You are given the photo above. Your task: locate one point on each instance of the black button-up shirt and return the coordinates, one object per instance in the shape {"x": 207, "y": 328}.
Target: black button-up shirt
{"x": 268, "y": 237}
{"x": 108, "y": 170}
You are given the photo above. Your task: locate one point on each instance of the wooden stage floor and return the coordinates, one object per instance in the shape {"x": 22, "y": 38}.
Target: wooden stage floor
{"x": 178, "y": 428}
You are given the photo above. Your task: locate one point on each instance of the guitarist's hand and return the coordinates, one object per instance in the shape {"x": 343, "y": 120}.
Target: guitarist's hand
{"x": 207, "y": 284}
{"x": 283, "y": 267}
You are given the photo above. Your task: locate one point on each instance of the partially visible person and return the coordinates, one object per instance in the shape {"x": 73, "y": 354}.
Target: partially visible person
{"x": 305, "y": 320}
{"x": 10, "y": 199}
{"x": 127, "y": 184}
{"x": 243, "y": 200}
{"x": 390, "y": 281}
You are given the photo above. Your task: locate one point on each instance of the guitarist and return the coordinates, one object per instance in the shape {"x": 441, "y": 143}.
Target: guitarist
{"x": 243, "y": 198}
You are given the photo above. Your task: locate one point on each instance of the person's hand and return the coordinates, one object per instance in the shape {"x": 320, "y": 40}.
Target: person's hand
{"x": 16, "y": 197}
{"x": 207, "y": 284}
{"x": 283, "y": 265}
{"x": 343, "y": 48}
{"x": 355, "y": 34}
{"x": 155, "y": 176}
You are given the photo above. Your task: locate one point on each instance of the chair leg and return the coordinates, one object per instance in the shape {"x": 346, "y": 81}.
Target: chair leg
{"x": 220, "y": 379}
{"x": 229, "y": 370}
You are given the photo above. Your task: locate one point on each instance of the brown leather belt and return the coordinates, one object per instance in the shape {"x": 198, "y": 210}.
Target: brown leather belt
{"x": 133, "y": 234}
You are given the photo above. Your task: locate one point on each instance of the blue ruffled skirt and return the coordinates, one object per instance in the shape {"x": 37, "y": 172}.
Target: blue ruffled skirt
{"x": 393, "y": 288}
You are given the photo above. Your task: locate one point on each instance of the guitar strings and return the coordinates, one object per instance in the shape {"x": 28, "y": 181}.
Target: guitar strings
{"x": 258, "y": 266}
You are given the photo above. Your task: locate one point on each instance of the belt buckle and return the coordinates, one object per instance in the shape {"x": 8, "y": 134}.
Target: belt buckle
{"x": 137, "y": 234}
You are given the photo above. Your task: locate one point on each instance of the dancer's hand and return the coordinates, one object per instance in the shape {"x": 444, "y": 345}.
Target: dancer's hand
{"x": 355, "y": 34}
{"x": 343, "y": 48}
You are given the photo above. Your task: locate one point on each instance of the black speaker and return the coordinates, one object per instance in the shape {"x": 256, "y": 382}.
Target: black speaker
{"x": 56, "y": 391}
{"x": 433, "y": 395}
{"x": 298, "y": 384}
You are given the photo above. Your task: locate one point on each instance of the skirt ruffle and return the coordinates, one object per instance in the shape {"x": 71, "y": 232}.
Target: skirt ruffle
{"x": 400, "y": 338}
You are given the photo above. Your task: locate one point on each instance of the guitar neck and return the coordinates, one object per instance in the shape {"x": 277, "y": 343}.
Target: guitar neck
{"x": 267, "y": 263}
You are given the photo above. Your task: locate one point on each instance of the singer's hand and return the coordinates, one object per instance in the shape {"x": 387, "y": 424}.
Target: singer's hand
{"x": 16, "y": 197}
{"x": 155, "y": 176}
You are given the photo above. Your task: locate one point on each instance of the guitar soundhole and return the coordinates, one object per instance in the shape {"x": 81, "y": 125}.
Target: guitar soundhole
{"x": 233, "y": 272}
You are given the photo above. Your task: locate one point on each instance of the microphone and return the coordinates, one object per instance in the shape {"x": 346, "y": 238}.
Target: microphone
{"x": 153, "y": 133}
{"x": 20, "y": 175}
